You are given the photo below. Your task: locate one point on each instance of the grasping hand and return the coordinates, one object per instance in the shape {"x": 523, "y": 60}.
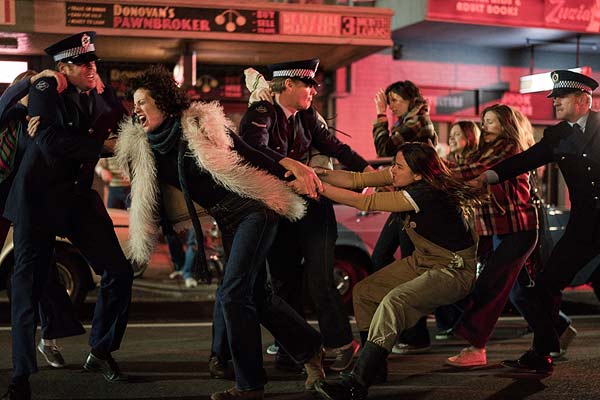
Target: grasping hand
{"x": 305, "y": 176}
{"x": 479, "y": 182}
{"x": 32, "y": 125}
{"x": 99, "y": 84}
{"x": 265, "y": 94}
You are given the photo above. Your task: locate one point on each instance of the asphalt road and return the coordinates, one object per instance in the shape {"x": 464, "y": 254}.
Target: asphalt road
{"x": 168, "y": 361}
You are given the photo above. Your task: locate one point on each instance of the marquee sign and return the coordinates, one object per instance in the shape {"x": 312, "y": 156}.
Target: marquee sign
{"x": 270, "y": 22}
{"x": 574, "y": 15}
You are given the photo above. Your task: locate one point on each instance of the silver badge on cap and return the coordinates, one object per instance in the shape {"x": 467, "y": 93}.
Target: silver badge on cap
{"x": 42, "y": 85}
{"x": 554, "y": 77}
{"x": 85, "y": 41}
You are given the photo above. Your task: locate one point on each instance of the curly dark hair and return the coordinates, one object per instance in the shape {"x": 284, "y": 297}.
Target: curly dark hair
{"x": 168, "y": 96}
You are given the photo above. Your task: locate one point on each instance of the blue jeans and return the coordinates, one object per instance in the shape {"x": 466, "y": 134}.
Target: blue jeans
{"x": 190, "y": 254}
{"x": 243, "y": 300}
{"x": 119, "y": 197}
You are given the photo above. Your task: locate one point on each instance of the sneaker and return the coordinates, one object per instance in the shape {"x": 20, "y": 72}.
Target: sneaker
{"x": 51, "y": 353}
{"x": 445, "y": 334}
{"x": 219, "y": 370}
{"x": 565, "y": 340}
{"x": 344, "y": 355}
{"x": 314, "y": 370}
{"x": 235, "y": 394}
{"x": 406, "y": 349}
{"x": 175, "y": 274}
{"x": 272, "y": 349}
{"x": 190, "y": 283}
{"x": 468, "y": 357}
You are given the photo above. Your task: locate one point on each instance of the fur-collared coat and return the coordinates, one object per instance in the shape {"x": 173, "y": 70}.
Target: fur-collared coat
{"x": 204, "y": 127}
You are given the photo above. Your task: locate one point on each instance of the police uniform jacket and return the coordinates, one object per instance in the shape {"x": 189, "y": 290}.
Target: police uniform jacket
{"x": 59, "y": 162}
{"x": 578, "y": 157}
{"x": 265, "y": 127}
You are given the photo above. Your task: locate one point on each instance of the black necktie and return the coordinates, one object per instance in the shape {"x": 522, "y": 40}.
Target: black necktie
{"x": 577, "y": 128}
{"x": 84, "y": 101}
{"x": 292, "y": 127}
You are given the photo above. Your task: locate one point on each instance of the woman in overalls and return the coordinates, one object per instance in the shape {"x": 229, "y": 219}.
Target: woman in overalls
{"x": 440, "y": 271}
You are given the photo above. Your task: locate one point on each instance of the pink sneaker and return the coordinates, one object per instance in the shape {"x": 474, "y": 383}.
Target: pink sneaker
{"x": 468, "y": 357}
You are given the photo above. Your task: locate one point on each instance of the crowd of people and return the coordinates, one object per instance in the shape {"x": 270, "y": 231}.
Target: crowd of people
{"x": 271, "y": 197}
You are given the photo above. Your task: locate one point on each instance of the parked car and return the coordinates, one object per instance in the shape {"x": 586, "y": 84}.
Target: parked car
{"x": 74, "y": 271}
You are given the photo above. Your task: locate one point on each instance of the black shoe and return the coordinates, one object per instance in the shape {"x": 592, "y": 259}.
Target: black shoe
{"x": 219, "y": 370}
{"x": 108, "y": 368}
{"x": 379, "y": 379}
{"x": 531, "y": 362}
{"x": 17, "y": 392}
{"x": 345, "y": 390}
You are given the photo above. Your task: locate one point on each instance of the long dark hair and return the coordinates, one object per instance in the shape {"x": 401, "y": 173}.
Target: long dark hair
{"x": 407, "y": 90}
{"x": 423, "y": 159}
{"x": 168, "y": 96}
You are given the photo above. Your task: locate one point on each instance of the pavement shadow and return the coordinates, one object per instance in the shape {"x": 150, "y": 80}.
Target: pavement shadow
{"x": 521, "y": 388}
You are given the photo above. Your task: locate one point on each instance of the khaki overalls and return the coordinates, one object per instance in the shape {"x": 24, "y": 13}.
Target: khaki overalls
{"x": 395, "y": 297}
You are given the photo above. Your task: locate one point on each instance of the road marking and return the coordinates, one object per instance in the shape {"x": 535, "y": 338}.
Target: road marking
{"x": 135, "y": 325}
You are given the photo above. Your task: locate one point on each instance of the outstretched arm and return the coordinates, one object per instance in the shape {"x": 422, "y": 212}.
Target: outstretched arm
{"x": 355, "y": 180}
{"x": 382, "y": 201}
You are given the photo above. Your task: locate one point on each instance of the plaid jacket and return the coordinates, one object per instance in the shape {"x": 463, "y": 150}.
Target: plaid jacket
{"x": 509, "y": 209}
{"x": 415, "y": 126}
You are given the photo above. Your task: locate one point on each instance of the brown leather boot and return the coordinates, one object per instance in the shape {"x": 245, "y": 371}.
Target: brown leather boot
{"x": 314, "y": 369}
{"x": 234, "y": 394}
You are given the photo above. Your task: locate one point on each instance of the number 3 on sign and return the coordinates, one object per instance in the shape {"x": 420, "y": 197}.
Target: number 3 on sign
{"x": 348, "y": 26}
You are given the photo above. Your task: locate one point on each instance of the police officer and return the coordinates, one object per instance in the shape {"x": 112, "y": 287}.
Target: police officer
{"x": 51, "y": 195}
{"x": 574, "y": 144}
{"x": 291, "y": 128}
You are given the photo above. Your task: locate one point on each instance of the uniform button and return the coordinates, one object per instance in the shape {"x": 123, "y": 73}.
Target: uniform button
{"x": 589, "y": 168}
{"x": 595, "y": 197}
{"x": 76, "y": 182}
{"x": 584, "y": 155}
{"x": 91, "y": 130}
{"x": 291, "y": 151}
{"x": 80, "y": 166}
{"x": 593, "y": 183}
{"x": 562, "y": 158}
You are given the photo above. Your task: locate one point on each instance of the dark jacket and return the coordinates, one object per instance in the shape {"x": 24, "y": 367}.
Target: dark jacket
{"x": 59, "y": 162}
{"x": 578, "y": 157}
{"x": 265, "y": 127}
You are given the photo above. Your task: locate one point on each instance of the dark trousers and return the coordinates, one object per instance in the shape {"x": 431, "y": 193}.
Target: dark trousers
{"x": 91, "y": 231}
{"x": 493, "y": 285}
{"x": 569, "y": 255}
{"x": 520, "y": 297}
{"x": 391, "y": 237}
{"x": 119, "y": 197}
{"x": 311, "y": 239}
{"x": 243, "y": 301}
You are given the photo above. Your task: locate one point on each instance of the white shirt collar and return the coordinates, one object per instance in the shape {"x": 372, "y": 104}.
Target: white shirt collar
{"x": 287, "y": 112}
{"x": 581, "y": 121}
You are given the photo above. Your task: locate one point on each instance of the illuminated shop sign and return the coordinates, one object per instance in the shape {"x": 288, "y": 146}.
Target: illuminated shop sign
{"x": 7, "y": 12}
{"x": 167, "y": 18}
{"x": 575, "y": 15}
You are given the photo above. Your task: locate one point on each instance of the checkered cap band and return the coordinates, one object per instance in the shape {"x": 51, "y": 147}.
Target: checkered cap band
{"x": 298, "y": 72}
{"x": 74, "y": 52}
{"x": 572, "y": 85}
